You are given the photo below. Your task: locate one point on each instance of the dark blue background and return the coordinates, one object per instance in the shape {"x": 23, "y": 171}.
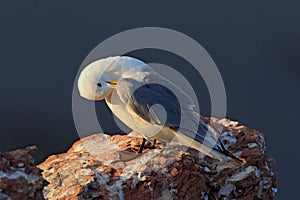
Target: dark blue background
{"x": 255, "y": 44}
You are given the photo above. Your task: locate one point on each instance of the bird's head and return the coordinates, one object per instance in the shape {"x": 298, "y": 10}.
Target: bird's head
{"x": 98, "y": 79}
{"x": 94, "y": 83}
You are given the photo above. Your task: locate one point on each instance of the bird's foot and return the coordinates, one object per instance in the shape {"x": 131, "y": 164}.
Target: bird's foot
{"x": 150, "y": 144}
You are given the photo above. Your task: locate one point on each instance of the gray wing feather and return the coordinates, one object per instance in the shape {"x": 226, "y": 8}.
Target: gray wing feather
{"x": 140, "y": 96}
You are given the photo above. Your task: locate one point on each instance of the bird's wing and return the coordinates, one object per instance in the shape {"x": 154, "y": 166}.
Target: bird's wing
{"x": 178, "y": 114}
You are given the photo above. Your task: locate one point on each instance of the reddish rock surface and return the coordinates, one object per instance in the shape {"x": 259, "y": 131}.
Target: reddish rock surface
{"x": 107, "y": 167}
{"x": 19, "y": 177}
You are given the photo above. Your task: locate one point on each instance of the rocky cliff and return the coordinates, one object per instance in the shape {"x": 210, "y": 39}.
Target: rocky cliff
{"x": 106, "y": 167}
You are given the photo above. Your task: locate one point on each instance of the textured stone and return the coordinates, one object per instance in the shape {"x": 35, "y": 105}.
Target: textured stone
{"x": 107, "y": 167}
{"x": 19, "y": 177}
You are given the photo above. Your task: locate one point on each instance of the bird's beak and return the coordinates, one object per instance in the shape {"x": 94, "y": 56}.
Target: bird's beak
{"x": 112, "y": 83}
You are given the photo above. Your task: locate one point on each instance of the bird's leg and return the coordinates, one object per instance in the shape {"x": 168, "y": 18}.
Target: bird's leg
{"x": 142, "y": 146}
{"x": 153, "y": 144}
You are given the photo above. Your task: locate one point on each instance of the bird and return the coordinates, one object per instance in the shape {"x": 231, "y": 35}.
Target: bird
{"x": 149, "y": 104}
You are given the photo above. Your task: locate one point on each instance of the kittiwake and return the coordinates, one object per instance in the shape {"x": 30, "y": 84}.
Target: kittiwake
{"x": 149, "y": 104}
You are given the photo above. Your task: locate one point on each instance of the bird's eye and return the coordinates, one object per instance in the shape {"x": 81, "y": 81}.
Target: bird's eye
{"x": 99, "y": 84}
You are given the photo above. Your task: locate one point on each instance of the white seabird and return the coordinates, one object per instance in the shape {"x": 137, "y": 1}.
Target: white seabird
{"x": 149, "y": 104}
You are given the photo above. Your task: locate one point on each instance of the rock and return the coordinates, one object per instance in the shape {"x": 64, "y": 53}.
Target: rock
{"x": 107, "y": 167}
{"x": 252, "y": 145}
{"x": 19, "y": 177}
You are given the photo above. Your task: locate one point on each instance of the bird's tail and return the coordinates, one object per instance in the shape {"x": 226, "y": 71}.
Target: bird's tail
{"x": 224, "y": 151}
{"x": 218, "y": 152}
